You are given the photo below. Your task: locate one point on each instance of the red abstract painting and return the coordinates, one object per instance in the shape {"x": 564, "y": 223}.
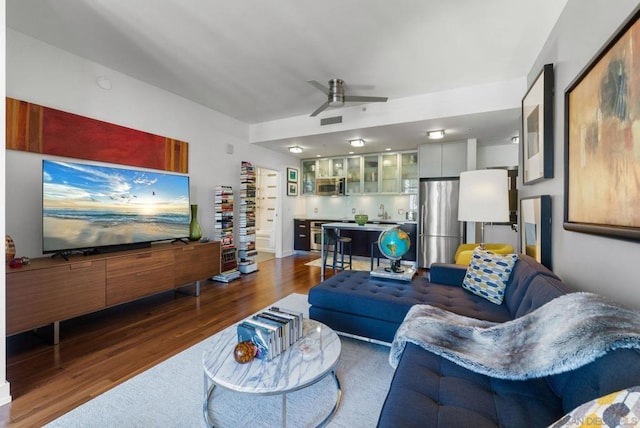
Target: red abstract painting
{"x": 34, "y": 128}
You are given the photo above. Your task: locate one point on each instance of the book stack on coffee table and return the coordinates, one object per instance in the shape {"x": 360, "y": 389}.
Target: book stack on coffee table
{"x": 273, "y": 331}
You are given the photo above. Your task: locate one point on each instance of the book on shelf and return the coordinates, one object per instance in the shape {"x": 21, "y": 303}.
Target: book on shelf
{"x": 247, "y": 253}
{"x": 247, "y": 267}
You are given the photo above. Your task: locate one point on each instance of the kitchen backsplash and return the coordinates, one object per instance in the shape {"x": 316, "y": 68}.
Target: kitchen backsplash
{"x": 378, "y": 207}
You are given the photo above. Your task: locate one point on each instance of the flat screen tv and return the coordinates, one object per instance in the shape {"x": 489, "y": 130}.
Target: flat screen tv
{"x": 98, "y": 208}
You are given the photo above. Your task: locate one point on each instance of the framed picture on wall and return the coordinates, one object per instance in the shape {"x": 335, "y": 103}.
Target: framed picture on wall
{"x": 537, "y": 128}
{"x": 292, "y": 189}
{"x": 292, "y": 175}
{"x": 535, "y": 228}
{"x": 602, "y": 140}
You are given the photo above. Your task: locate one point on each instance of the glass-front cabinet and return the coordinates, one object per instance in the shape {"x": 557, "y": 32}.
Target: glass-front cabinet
{"x": 308, "y": 177}
{"x": 323, "y": 168}
{"x": 409, "y": 172}
{"x": 330, "y": 167}
{"x": 354, "y": 175}
{"x": 389, "y": 173}
{"x": 338, "y": 167}
{"x": 371, "y": 174}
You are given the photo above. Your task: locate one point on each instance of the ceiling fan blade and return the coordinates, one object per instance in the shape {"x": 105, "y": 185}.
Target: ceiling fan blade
{"x": 319, "y": 86}
{"x": 320, "y": 109}
{"x": 365, "y": 99}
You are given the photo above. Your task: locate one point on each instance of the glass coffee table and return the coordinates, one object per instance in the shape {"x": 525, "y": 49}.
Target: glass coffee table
{"x": 308, "y": 361}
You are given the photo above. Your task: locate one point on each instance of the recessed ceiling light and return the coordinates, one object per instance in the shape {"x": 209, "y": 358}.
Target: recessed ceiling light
{"x": 318, "y": 156}
{"x": 515, "y": 140}
{"x": 295, "y": 149}
{"x": 351, "y": 153}
{"x": 436, "y": 135}
{"x": 357, "y": 143}
{"x": 388, "y": 149}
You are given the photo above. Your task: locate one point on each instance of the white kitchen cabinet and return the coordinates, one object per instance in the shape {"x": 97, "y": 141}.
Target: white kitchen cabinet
{"x": 442, "y": 159}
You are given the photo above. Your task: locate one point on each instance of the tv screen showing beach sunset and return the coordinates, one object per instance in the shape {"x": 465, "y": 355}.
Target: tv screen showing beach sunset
{"x": 88, "y": 206}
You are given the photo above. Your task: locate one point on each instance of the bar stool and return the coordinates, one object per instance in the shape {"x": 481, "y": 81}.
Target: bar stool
{"x": 375, "y": 253}
{"x": 332, "y": 238}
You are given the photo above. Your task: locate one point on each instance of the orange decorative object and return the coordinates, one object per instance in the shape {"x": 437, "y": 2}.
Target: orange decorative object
{"x": 37, "y": 129}
{"x": 245, "y": 352}
{"x": 9, "y": 248}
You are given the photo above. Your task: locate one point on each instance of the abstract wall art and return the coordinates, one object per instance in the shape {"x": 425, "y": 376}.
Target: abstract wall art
{"x": 602, "y": 133}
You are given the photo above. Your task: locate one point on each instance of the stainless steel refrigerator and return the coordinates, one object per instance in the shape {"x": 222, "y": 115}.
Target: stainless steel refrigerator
{"x": 439, "y": 230}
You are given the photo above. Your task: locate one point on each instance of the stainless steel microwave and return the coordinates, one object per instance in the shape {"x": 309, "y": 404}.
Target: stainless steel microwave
{"x": 333, "y": 186}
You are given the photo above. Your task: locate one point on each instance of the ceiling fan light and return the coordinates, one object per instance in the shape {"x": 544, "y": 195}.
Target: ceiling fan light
{"x": 436, "y": 135}
{"x": 336, "y": 100}
{"x": 295, "y": 149}
{"x": 357, "y": 143}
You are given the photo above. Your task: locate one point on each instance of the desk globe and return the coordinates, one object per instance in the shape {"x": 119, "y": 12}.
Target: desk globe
{"x": 393, "y": 244}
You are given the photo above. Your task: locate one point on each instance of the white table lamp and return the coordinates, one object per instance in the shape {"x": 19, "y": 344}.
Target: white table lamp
{"x": 484, "y": 197}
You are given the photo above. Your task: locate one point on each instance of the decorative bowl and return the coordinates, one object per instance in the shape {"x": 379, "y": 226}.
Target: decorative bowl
{"x": 361, "y": 219}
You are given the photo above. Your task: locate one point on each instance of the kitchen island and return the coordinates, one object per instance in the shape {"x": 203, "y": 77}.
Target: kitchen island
{"x": 363, "y": 236}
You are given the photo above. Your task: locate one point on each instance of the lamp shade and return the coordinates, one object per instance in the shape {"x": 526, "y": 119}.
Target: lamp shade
{"x": 484, "y": 196}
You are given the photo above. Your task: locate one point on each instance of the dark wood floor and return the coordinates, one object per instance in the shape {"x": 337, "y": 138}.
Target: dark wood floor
{"x": 101, "y": 350}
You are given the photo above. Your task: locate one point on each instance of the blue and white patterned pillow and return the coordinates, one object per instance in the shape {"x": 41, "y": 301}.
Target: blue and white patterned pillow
{"x": 488, "y": 273}
{"x": 618, "y": 409}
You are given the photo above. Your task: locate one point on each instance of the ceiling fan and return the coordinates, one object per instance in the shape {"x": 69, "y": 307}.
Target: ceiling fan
{"x": 337, "y": 98}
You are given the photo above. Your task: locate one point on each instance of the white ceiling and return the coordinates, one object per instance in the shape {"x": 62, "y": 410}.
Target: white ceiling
{"x": 251, "y": 59}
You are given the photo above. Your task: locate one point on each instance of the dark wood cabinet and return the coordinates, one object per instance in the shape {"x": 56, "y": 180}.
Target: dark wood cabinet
{"x": 301, "y": 235}
{"x": 361, "y": 240}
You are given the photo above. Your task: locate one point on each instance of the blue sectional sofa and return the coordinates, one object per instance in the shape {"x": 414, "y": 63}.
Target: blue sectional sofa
{"x": 430, "y": 391}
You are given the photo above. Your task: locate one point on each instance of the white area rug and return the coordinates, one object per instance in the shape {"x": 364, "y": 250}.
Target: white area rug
{"x": 171, "y": 394}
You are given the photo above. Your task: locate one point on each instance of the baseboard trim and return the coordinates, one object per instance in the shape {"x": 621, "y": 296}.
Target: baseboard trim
{"x": 5, "y": 393}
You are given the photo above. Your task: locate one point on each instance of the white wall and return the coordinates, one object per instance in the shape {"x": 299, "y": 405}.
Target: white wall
{"x": 5, "y": 395}
{"x": 345, "y": 207}
{"x": 588, "y": 262}
{"x": 39, "y": 73}
{"x": 42, "y": 74}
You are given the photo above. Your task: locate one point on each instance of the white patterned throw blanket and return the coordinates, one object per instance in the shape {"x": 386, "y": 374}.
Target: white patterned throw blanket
{"x": 564, "y": 334}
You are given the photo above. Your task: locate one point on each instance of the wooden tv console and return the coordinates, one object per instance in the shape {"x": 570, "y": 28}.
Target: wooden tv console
{"x": 50, "y": 290}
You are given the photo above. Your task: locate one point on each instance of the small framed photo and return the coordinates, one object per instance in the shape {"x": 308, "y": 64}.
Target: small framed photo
{"x": 535, "y": 228}
{"x": 537, "y": 128}
{"x": 292, "y": 189}
{"x": 292, "y": 175}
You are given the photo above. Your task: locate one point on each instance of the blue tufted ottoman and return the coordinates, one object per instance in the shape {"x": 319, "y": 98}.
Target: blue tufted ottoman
{"x": 355, "y": 303}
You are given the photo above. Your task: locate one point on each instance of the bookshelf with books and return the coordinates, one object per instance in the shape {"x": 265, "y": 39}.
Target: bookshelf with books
{"x": 247, "y": 220}
{"x": 223, "y": 224}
